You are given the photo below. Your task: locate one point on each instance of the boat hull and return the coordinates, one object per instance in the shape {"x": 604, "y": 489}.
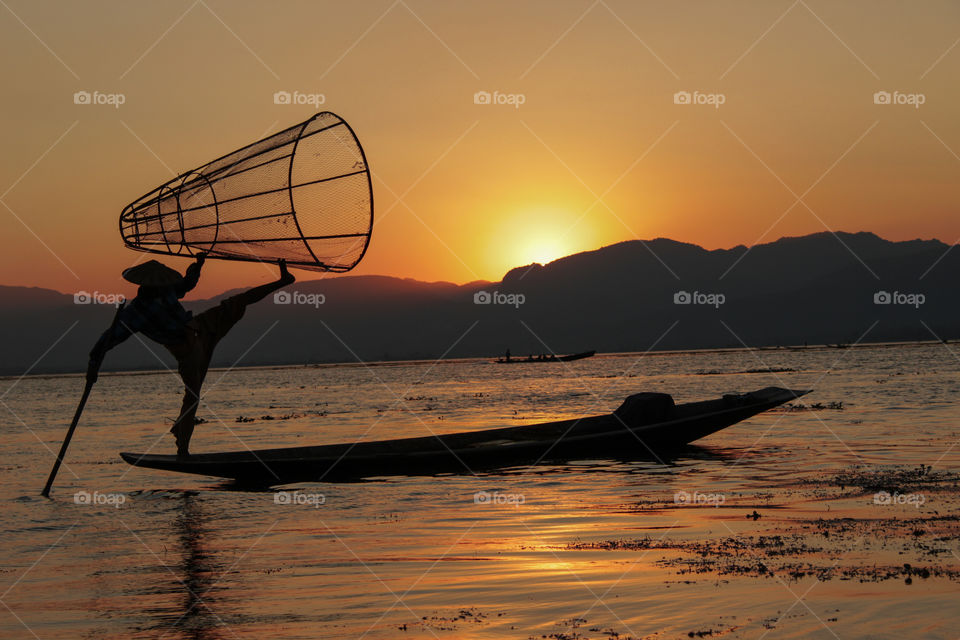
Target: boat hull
{"x": 619, "y": 434}
{"x": 551, "y": 359}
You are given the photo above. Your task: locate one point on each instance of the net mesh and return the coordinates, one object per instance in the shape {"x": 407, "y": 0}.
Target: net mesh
{"x": 303, "y": 195}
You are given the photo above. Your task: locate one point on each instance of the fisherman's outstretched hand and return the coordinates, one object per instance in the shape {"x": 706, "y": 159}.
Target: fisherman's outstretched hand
{"x": 201, "y": 258}
{"x": 285, "y": 276}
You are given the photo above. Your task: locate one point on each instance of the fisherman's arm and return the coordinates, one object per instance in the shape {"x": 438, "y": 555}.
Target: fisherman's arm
{"x": 192, "y": 275}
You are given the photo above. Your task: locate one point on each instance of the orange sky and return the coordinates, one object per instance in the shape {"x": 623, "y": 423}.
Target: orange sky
{"x": 597, "y": 153}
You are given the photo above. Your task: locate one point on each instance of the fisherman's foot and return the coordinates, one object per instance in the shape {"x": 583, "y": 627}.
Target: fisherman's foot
{"x": 183, "y": 451}
{"x": 285, "y": 276}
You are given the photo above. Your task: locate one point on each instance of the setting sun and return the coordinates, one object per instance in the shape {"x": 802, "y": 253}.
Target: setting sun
{"x": 545, "y": 233}
{"x": 543, "y": 251}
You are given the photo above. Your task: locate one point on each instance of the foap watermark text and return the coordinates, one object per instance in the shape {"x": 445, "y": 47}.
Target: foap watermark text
{"x": 495, "y": 297}
{"x": 497, "y": 498}
{"x": 497, "y": 98}
{"x": 698, "y": 498}
{"x": 298, "y": 297}
{"x": 86, "y": 297}
{"x": 712, "y": 299}
{"x": 99, "y": 98}
{"x": 299, "y": 498}
{"x": 298, "y": 97}
{"x": 115, "y": 500}
{"x": 699, "y": 98}
{"x": 899, "y": 298}
{"x": 885, "y": 498}
{"x": 899, "y": 98}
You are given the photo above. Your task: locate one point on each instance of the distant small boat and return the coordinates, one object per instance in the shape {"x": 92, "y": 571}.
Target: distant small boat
{"x": 547, "y": 358}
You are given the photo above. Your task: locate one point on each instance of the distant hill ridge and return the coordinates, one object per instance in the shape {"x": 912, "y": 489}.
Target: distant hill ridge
{"x": 818, "y": 288}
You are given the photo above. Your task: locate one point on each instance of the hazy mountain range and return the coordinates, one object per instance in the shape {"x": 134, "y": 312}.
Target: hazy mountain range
{"x": 814, "y": 289}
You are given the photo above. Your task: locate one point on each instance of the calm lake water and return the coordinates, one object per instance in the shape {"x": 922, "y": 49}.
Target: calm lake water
{"x": 591, "y": 549}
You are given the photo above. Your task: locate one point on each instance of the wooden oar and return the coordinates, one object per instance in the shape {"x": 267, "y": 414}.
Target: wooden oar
{"x": 76, "y": 419}
{"x": 66, "y": 441}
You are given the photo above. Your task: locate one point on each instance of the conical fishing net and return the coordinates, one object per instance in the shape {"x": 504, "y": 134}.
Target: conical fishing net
{"x": 303, "y": 195}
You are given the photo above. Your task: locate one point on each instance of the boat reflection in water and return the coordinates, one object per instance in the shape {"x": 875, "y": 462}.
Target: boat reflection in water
{"x": 196, "y": 615}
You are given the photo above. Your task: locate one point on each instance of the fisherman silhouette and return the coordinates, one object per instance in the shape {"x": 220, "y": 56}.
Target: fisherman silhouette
{"x": 156, "y": 312}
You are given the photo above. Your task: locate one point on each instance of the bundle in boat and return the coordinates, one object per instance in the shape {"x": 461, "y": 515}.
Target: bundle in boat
{"x": 303, "y": 195}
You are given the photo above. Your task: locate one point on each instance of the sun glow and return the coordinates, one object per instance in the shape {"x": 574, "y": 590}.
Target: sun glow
{"x": 544, "y": 251}
{"x": 534, "y": 232}
{"x": 545, "y": 234}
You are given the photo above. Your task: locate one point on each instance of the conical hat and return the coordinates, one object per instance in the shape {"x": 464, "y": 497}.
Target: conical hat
{"x": 152, "y": 274}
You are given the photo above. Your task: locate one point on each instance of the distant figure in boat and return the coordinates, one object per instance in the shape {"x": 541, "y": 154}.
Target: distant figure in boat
{"x": 156, "y": 312}
{"x": 545, "y": 357}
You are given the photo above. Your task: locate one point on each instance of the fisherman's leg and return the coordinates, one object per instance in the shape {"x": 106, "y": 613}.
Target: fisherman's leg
{"x": 214, "y": 323}
{"x": 194, "y": 358}
{"x": 195, "y": 354}
{"x": 257, "y": 294}
{"x": 193, "y": 370}
{"x": 183, "y": 427}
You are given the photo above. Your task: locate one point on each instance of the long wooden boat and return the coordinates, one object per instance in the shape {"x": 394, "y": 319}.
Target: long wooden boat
{"x": 528, "y": 360}
{"x": 646, "y": 423}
